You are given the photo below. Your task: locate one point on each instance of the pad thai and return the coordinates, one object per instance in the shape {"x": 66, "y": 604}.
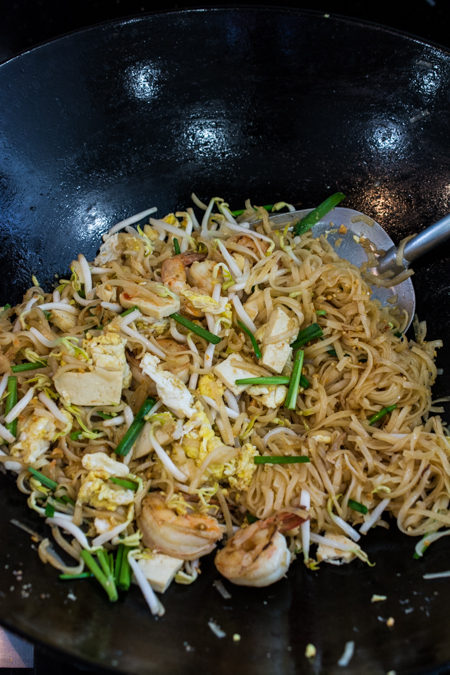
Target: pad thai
{"x": 215, "y": 384}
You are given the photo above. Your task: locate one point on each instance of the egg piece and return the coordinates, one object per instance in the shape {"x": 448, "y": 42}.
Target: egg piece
{"x": 100, "y": 461}
{"x": 171, "y": 390}
{"x": 205, "y": 302}
{"x": 63, "y": 320}
{"x": 108, "y": 352}
{"x": 107, "y": 293}
{"x": 239, "y": 472}
{"x": 103, "y": 525}
{"x": 208, "y": 385}
{"x": 110, "y": 250}
{"x": 96, "y": 491}
{"x": 271, "y": 396}
{"x": 35, "y": 438}
{"x": 335, "y": 556}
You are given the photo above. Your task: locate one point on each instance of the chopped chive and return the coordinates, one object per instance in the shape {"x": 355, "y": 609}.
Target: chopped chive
{"x": 307, "y": 334}
{"x": 21, "y": 367}
{"x": 251, "y": 518}
{"x": 124, "y": 580}
{"x": 48, "y": 482}
{"x": 130, "y": 485}
{"x": 316, "y": 214}
{"x": 64, "y": 499}
{"x": 49, "y": 511}
{"x": 135, "y": 429}
{"x": 239, "y": 212}
{"x": 356, "y": 506}
{"x": 416, "y": 556}
{"x": 255, "y": 346}
{"x": 321, "y": 312}
{"x": 119, "y": 558}
{"x": 128, "y": 311}
{"x": 304, "y": 382}
{"x": 198, "y": 330}
{"x": 265, "y": 380}
{"x": 11, "y": 401}
{"x": 291, "y": 398}
{"x": 176, "y": 246}
{"x": 379, "y": 415}
{"x": 399, "y": 334}
{"x": 103, "y": 577}
{"x": 103, "y": 415}
{"x": 75, "y": 435}
{"x": 277, "y": 459}
{"x": 332, "y": 352}
{"x": 5, "y": 308}
{"x": 71, "y": 577}
{"x": 47, "y": 314}
{"x": 82, "y": 294}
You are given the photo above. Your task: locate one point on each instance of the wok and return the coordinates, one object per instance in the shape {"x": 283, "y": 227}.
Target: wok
{"x": 262, "y": 103}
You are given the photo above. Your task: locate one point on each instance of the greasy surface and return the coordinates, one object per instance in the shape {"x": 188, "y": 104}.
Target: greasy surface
{"x": 264, "y": 104}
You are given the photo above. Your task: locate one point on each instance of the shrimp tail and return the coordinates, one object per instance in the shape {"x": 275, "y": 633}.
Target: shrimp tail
{"x": 287, "y": 520}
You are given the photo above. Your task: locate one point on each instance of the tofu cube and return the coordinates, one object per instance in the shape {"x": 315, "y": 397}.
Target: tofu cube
{"x": 335, "y": 556}
{"x": 275, "y": 354}
{"x": 160, "y": 570}
{"x": 154, "y": 306}
{"x": 252, "y": 304}
{"x": 97, "y": 387}
{"x": 229, "y": 373}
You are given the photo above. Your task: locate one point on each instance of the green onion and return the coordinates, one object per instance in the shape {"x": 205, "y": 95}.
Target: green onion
{"x": 399, "y": 335}
{"x": 128, "y": 311}
{"x": 75, "y": 435}
{"x": 316, "y": 214}
{"x": 255, "y": 346}
{"x": 64, "y": 499}
{"x": 48, "y": 482}
{"x": 130, "y": 485}
{"x": 49, "y": 511}
{"x": 27, "y": 366}
{"x": 268, "y": 207}
{"x": 103, "y": 415}
{"x": 291, "y": 398}
{"x": 176, "y": 246}
{"x": 356, "y": 506}
{"x": 277, "y": 459}
{"x": 103, "y": 577}
{"x": 332, "y": 352}
{"x": 124, "y": 578}
{"x": 11, "y": 401}
{"x": 276, "y": 379}
{"x": 82, "y": 294}
{"x": 321, "y": 312}
{"x": 82, "y": 575}
{"x": 135, "y": 429}
{"x": 119, "y": 557}
{"x": 304, "y": 382}
{"x": 5, "y": 308}
{"x": 307, "y": 334}
{"x": 47, "y": 314}
{"x": 198, "y": 330}
{"x": 383, "y": 412}
{"x": 251, "y": 519}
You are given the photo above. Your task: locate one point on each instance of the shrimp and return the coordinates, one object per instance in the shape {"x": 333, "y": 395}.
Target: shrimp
{"x": 258, "y": 555}
{"x": 187, "y": 537}
{"x": 173, "y": 270}
{"x": 200, "y": 274}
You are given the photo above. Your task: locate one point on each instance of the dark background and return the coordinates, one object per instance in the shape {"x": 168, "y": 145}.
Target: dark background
{"x": 27, "y": 23}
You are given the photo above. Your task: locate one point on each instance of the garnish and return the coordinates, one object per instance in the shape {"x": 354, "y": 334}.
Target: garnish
{"x": 176, "y": 246}
{"x": 316, "y": 214}
{"x": 291, "y": 398}
{"x": 276, "y": 379}
{"x": 11, "y": 401}
{"x": 198, "y": 330}
{"x": 356, "y": 506}
{"x": 48, "y": 482}
{"x": 22, "y": 367}
{"x": 256, "y": 348}
{"x": 277, "y": 459}
{"x": 306, "y": 335}
{"x": 103, "y": 575}
{"x": 135, "y": 429}
{"x": 128, "y": 311}
{"x": 382, "y": 413}
{"x": 128, "y": 484}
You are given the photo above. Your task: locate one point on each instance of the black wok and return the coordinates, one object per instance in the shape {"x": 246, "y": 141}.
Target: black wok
{"x": 259, "y": 103}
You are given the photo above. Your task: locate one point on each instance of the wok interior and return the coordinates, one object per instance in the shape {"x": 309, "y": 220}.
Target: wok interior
{"x": 272, "y": 105}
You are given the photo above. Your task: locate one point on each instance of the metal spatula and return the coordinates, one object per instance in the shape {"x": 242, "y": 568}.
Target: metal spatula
{"x": 347, "y": 245}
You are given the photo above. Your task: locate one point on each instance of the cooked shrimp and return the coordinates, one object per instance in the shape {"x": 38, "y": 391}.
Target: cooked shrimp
{"x": 200, "y": 274}
{"x": 173, "y": 270}
{"x": 250, "y": 243}
{"x": 258, "y": 555}
{"x": 187, "y": 537}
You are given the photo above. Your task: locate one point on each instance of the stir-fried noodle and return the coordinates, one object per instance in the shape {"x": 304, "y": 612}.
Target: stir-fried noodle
{"x": 141, "y": 442}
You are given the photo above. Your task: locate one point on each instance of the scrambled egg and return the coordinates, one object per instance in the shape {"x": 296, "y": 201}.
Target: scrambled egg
{"x": 96, "y": 491}
{"x": 204, "y": 302}
{"x": 239, "y": 472}
{"x": 209, "y": 385}
{"x": 100, "y": 461}
{"x": 110, "y": 250}
{"x": 107, "y": 293}
{"x": 103, "y": 525}
{"x": 271, "y": 396}
{"x": 108, "y": 352}
{"x": 35, "y": 438}
{"x": 157, "y": 326}
{"x": 198, "y": 436}
{"x": 171, "y": 390}
{"x": 335, "y": 556}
